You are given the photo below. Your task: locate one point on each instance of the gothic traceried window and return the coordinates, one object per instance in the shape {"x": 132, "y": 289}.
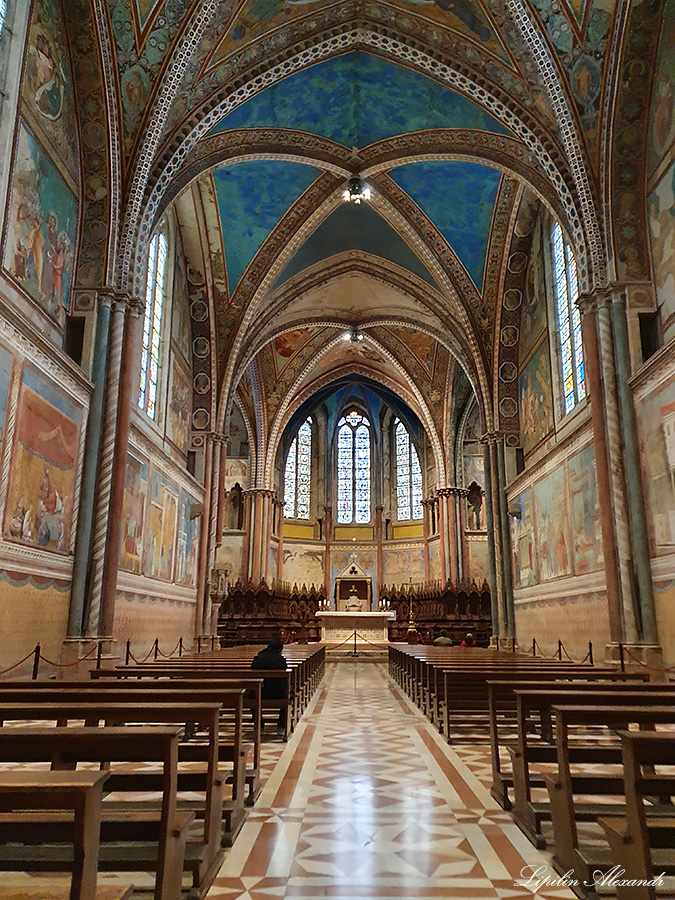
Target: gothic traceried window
{"x": 408, "y": 476}
{"x": 3, "y": 13}
{"x": 298, "y": 474}
{"x": 155, "y": 294}
{"x": 353, "y": 467}
{"x": 569, "y": 320}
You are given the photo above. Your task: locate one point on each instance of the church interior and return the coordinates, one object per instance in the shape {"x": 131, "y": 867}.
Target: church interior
{"x": 334, "y": 321}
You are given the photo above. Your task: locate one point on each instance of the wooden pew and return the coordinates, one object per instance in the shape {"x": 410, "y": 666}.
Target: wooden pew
{"x": 79, "y": 792}
{"x": 529, "y": 749}
{"x": 44, "y": 889}
{"x": 226, "y": 673}
{"x": 502, "y": 710}
{"x": 202, "y": 858}
{"x": 142, "y": 850}
{"x": 565, "y": 787}
{"x": 166, "y": 690}
{"x": 641, "y": 845}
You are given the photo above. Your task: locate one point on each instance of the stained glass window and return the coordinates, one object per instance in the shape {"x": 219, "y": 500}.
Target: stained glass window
{"x": 353, "y": 467}
{"x": 569, "y": 320}
{"x": 408, "y": 476}
{"x": 152, "y": 325}
{"x": 3, "y": 13}
{"x": 298, "y": 474}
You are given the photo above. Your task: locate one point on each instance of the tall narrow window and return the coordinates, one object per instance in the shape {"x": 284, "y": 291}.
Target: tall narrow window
{"x": 569, "y": 320}
{"x": 298, "y": 474}
{"x": 408, "y": 476}
{"x": 353, "y": 480}
{"x": 3, "y": 13}
{"x": 154, "y": 305}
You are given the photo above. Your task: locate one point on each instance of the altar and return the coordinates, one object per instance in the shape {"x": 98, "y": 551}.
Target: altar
{"x": 369, "y": 626}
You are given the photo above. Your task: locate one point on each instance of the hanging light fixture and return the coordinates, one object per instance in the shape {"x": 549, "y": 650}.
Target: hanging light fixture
{"x": 356, "y": 191}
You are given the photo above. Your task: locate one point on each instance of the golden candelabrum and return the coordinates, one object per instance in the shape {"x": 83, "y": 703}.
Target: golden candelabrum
{"x": 412, "y": 628}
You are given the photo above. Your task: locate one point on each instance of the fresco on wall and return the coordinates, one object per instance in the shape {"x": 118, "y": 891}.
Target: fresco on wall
{"x": 285, "y": 346}
{"x": 536, "y": 399}
{"x": 303, "y": 565}
{"x": 478, "y": 561}
{"x": 522, "y": 540}
{"x": 42, "y": 220}
{"x": 553, "y": 526}
{"x": 43, "y": 469}
{"x": 656, "y": 427}
{"x": 585, "y": 512}
{"x": 161, "y": 527}
{"x": 474, "y": 470}
{"x": 6, "y": 364}
{"x": 46, "y": 87}
{"x": 662, "y": 130}
{"x": 134, "y": 506}
{"x": 434, "y": 561}
{"x": 403, "y": 565}
{"x": 661, "y": 206}
{"x": 187, "y": 541}
{"x": 533, "y": 316}
{"x": 180, "y": 407}
{"x": 181, "y": 330}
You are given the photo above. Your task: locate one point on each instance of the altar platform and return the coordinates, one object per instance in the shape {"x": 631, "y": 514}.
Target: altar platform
{"x": 369, "y": 626}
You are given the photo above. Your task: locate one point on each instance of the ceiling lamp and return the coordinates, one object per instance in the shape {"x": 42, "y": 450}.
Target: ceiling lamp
{"x": 353, "y": 335}
{"x": 356, "y": 191}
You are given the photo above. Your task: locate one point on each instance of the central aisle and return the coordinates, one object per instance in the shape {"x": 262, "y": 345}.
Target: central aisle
{"x": 367, "y": 801}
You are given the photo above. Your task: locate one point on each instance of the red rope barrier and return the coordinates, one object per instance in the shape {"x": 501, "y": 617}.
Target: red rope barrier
{"x": 366, "y": 640}
{"x": 328, "y": 647}
{"x": 645, "y": 666}
{"x": 168, "y": 655}
{"x": 544, "y": 656}
{"x": 70, "y": 664}
{"x": 17, "y": 664}
{"x": 139, "y": 662}
{"x": 580, "y": 662}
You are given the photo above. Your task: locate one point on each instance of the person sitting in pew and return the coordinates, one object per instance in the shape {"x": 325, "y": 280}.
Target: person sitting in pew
{"x": 272, "y": 688}
{"x": 469, "y": 640}
{"x": 443, "y": 640}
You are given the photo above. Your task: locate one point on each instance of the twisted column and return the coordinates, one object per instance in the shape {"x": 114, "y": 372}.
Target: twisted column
{"x": 127, "y": 391}
{"x": 105, "y": 463}
{"x": 616, "y": 467}
{"x": 204, "y": 537}
{"x": 489, "y": 524}
{"x": 90, "y": 472}
{"x": 279, "y": 506}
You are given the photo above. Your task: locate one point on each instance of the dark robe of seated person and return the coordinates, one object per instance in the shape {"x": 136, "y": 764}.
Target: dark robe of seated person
{"x": 272, "y": 688}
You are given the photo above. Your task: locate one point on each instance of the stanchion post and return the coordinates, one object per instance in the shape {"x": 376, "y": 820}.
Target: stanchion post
{"x": 559, "y": 649}
{"x": 36, "y": 661}
{"x": 180, "y": 648}
{"x": 534, "y": 646}
{"x": 199, "y": 643}
{"x": 513, "y": 644}
{"x": 621, "y": 658}
{"x": 354, "y": 653}
{"x": 127, "y": 655}
{"x": 156, "y": 648}
{"x": 213, "y": 642}
{"x": 590, "y": 652}
{"x": 99, "y": 654}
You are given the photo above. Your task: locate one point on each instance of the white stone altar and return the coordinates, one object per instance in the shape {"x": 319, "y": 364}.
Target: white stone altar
{"x": 371, "y": 626}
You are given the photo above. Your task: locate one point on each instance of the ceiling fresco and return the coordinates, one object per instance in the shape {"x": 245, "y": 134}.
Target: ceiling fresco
{"x": 432, "y": 250}
{"x": 351, "y": 227}
{"x": 375, "y": 102}
{"x": 252, "y": 197}
{"x": 258, "y": 17}
{"x": 459, "y": 199}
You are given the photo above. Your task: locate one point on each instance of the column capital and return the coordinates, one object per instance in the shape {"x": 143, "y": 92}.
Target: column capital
{"x": 135, "y": 306}
{"x": 259, "y": 492}
{"x": 492, "y": 437}
{"x": 278, "y": 503}
{"x": 451, "y": 492}
{"x": 328, "y": 510}
{"x": 592, "y": 301}
{"x": 379, "y": 509}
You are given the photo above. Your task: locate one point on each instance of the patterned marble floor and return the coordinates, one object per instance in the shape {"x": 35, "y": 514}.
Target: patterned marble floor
{"x": 367, "y": 801}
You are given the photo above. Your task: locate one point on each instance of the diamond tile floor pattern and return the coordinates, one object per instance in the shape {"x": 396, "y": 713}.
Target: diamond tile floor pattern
{"x": 367, "y": 801}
